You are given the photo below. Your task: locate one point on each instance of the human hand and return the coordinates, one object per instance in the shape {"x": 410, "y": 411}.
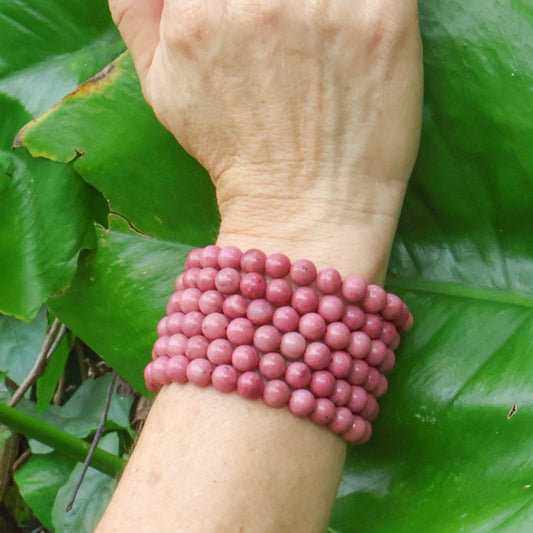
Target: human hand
{"x": 305, "y": 113}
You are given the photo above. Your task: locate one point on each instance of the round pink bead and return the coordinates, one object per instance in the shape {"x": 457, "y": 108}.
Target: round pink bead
{"x": 328, "y": 281}
{"x": 393, "y": 307}
{"x": 373, "y": 326}
{"x": 359, "y": 346}
{"x": 353, "y": 288}
{"x": 317, "y": 356}
{"x": 253, "y": 261}
{"x": 357, "y": 431}
{"x": 323, "y": 412}
{"x": 177, "y": 344}
{"x": 373, "y": 380}
{"x": 377, "y": 353}
{"x": 298, "y": 375}
{"x": 177, "y": 369}
{"x": 337, "y": 336}
{"x": 340, "y": 364}
{"x": 368, "y": 433}
{"x": 312, "y": 326}
{"x": 229, "y": 257}
{"x": 196, "y": 347}
{"x": 304, "y": 300}
{"x": 192, "y": 323}
{"x": 151, "y": 385}
{"x": 331, "y": 308}
{"x": 279, "y": 292}
{"x": 161, "y": 346}
{"x": 219, "y": 352}
{"x": 210, "y": 302}
{"x": 358, "y": 399}
{"x": 381, "y": 389}
{"x": 159, "y": 371}
{"x": 286, "y": 319}
{"x": 341, "y": 393}
{"x": 240, "y": 331}
{"x": 235, "y": 306}
{"x": 174, "y": 302}
{"x": 259, "y": 312}
{"x": 179, "y": 282}
{"x": 162, "y": 327}
{"x": 303, "y": 272}
{"x": 190, "y": 278}
{"x": 199, "y": 372}
{"x": 253, "y": 285}
{"x": 209, "y": 257}
{"x": 194, "y": 259}
{"x": 375, "y": 299}
{"x": 302, "y": 402}
{"x": 276, "y": 393}
{"x": 322, "y": 383}
{"x": 342, "y": 420}
{"x": 277, "y": 265}
{"x": 224, "y": 378}
{"x": 371, "y": 409}
{"x": 354, "y": 317}
{"x": 228, "y": 280}
{"x": 250, "y": 386}
{"x": 174, "y": 322}
{"x": 293, "y": 345}
{"x": 272, "y": 366}
{"x": 245, "y": 358}
{"x": 404, "y": 317}
{"x": 388, "y": 362}
{"x": 388, "y": 334}
{"x": 214, "y": 326}
{"x": 189, "y": 300}
{"x": 267, "y": 339}
{"x": 206, "y": 279}
{"x": 359, "y": 373}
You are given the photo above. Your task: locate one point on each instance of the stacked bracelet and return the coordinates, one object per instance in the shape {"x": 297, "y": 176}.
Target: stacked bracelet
{"x": 310, "y": 341}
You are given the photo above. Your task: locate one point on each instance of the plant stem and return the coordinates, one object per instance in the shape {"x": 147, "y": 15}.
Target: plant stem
{"x": 64, "y": 443}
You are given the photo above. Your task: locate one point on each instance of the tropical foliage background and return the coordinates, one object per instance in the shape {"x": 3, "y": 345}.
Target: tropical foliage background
{"x": 99, "y": 206}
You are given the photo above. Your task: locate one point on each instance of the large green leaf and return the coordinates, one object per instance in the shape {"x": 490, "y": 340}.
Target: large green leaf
{"x": 445, "y": 456}
{"x": 121, "y": 145}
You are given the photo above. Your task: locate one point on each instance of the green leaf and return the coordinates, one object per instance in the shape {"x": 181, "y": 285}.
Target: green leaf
{"x": 39, "y": 242}
{"x": 109, "y": 112}
{"x": 20, "y": 344}
{"x": 92, "y": 499}
{"x": 39, "y": 480}
{"x": 118, "y": 295}
{"x": 48, "y": 48}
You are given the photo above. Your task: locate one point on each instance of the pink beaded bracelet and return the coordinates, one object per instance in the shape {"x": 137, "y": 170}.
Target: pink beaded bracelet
{"x": 284, "y": 333}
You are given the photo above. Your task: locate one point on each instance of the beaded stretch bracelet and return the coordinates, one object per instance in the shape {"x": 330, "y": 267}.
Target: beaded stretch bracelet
{"x": 310, "y": 341}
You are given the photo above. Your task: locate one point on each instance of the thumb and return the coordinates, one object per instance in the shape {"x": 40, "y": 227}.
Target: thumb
{"x": 138, "y": 23}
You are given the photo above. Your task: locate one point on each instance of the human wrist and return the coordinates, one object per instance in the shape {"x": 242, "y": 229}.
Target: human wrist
{"x": 354, "y": 239}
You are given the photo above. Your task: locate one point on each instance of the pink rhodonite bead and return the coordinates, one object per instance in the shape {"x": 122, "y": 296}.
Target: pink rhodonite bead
{"x": 279, "y": 292}
{"x": 272, "y": 366}
{"x": 253, "y": 261}
{"x": 341, "y": 393}
{"x": 337, "y": 336}
{"x": 322, "y": 384}
{"x": 199, "y": 372}
{"x": 312, "y": 326}
{"x": 214, "y": 326}
{"x": 250, "y": 386}
{"x": 267, "y": 339}
{"x": 302, "y": 403}
{"x": 375, "y": 299}
{"x": 342, "y": 420}
{"x": 358, "y": 431}
{"x": 229, "y": 257}
{"x": 358, "y": 399}
{"x": 259, "y": 312}
{"x": 354, "y": 317}
{"x": 253, "y": 285}
{"x": 224, "y": 378}
{"x": 285, "y": 319}
{"x": 277, "y": 265}
{"x": 303, "y": 272}
{"x": 377, "y": 353}
{"x": 177, "y": 344}
{"x": 196, "y": 347}
{"x": 206, "y": 279}
{"x": 393, "y": 308}
{"x": 329, "y": 281}
{"x": 189, "y": 300}
{"x": 174, "y": 323}
{"x": 317, "y": 356}
{"x": 298, "y": 375}
{"x": 209, "y": 256}
{"x": 331, "y": 308}
{"x": 292, "y": 345}
{"x": 219, "y": 352}
{"x": 192, "y": 323}
{"x": 234, "y": 306}
{"x": 373, "y": 326}
{"x": 240, "y": 331}
{"x": 228, "y": 280}
{"x": 323, "y": 412}
{"x": 211, "y": 302}
{"x": 276, "y": 393}
{"x": 359, "y": 373}
{"x": 359, "y": 346}
{"x": 177, "y": 369}
{"x": 340, "y": 364}
{"x": 245, "y": 358}
{"x": 304, "y": 300}
{"x": 353, "y": 288}
{"x": 194, "y": 259}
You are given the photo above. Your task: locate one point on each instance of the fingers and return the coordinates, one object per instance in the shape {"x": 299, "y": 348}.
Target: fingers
{"x": 138, "y": 22}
